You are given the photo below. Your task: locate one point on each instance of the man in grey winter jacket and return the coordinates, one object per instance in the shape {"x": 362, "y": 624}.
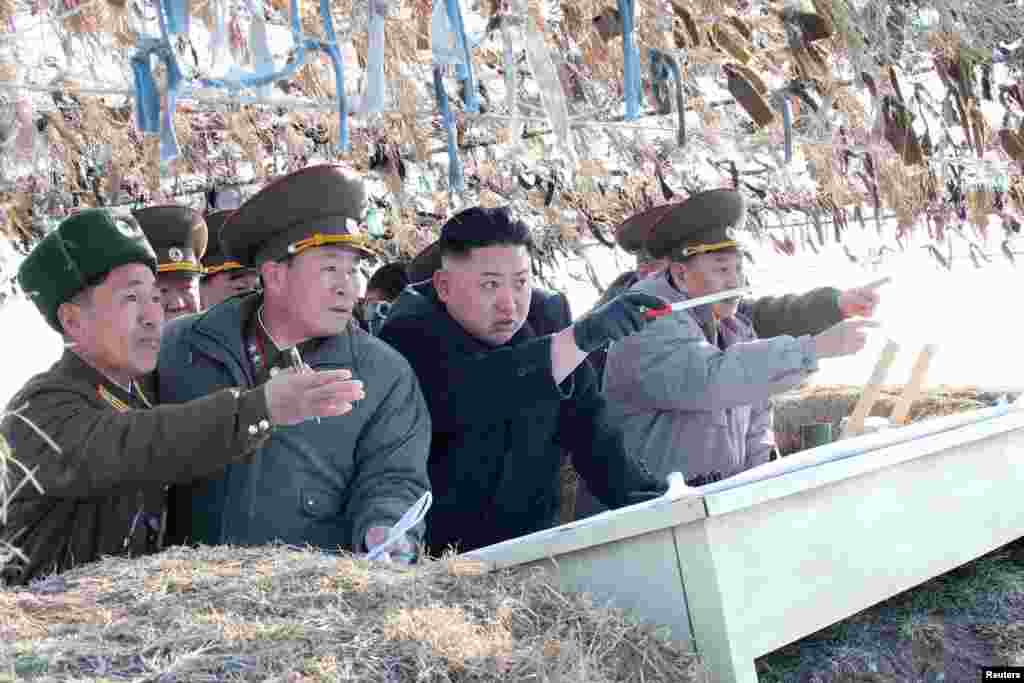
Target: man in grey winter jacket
{"x": 772, "y": 316}
{"x": 337, "y": 483}
{"x": 691, "y": 391}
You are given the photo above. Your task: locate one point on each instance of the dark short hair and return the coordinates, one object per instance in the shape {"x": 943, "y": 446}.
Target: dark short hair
{"x": 389, "y": 279}
{"x": 477, "y": 227}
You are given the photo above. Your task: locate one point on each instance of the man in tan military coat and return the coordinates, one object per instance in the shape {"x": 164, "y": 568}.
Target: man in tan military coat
{"x": 104, "y": 485}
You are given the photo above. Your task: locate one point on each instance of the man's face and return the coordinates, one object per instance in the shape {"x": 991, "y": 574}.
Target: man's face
{"x": 488, "y": 291}
{"x": 713, "y": 272}
{"x": 180, "y": 294}
{"x": 117, "y": 326}
{"x": 226, "y": 284}
{"x": 319, "y": 287}
{"x": 374, "y": 296}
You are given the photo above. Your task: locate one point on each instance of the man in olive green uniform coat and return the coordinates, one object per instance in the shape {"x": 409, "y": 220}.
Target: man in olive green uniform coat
{"x": 110, "y": 452}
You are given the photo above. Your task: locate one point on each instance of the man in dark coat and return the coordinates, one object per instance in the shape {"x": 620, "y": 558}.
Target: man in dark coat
{"x": 503, "y": 400}
{"x": 109, "y": 452}
{"x": 549, "y": 313}
{"x": 340, "y": 483}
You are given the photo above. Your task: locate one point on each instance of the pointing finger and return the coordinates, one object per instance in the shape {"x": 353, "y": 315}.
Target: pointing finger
{"x": 859, "y": 323}
{"x": 876, "y": 284}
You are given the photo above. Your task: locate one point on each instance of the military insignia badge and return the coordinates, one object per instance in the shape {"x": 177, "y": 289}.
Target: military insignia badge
{"x": 175, "y": 254}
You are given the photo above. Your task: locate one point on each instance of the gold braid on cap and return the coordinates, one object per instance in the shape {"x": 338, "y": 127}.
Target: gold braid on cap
{"x": 705, "y": 248}
{"x": 227, "y": 265}
{"x": 320, "y": 240}
{"x": 181, "y": 266}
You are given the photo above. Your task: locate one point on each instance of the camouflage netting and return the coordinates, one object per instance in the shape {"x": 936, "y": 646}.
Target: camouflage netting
{"x": 833, "y": 112}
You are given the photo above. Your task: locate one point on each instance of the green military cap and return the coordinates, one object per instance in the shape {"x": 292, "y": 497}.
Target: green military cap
{"x": 705, "y": 222}
{"x": 178, "y": 235}
{"x": 78, "y": 254}
{"x": 425, "y": 264}
{"x": 313, "y": 207}
{"x": 216, "y": 261}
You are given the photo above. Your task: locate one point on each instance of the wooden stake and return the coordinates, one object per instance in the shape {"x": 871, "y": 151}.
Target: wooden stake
{"x": 901, "y": 411}
{"x": 872, "y": 390}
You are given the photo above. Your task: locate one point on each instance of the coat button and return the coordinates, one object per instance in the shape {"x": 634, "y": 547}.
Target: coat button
{"x": 253, "y": 430}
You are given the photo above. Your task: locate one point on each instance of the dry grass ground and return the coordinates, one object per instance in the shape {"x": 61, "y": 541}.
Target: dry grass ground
{"x": 280, "y": 614}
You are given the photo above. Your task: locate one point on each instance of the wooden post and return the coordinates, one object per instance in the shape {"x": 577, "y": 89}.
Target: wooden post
{"x": 872, "y": 390}
{"x": 901, "y": 411}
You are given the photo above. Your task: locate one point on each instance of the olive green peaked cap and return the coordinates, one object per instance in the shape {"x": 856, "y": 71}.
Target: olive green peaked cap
{"x": 706, "y": 222}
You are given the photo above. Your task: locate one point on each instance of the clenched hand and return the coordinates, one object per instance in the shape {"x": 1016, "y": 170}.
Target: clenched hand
{"x": 402, "y": 552}
{"x": 620, "y": 317}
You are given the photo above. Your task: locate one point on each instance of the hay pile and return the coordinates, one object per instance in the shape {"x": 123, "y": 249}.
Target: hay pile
{"x": 831, "y": 403}
{"x": 281, "y": 614}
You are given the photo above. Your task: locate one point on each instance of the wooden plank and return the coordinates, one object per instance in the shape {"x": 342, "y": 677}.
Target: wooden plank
{"x": 901, "y": 411}
{"x": 872, "y": 390}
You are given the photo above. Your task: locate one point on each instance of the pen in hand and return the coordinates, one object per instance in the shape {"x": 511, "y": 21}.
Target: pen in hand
{"x": 295, "y": 360}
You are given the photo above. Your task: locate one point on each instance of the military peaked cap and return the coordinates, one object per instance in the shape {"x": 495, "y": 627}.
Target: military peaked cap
{"x": 313, "y": 207}
{"x": 216, "y": 261}
{"x": 633, "y": 233}
{"x": 705, "y": 222}
{"x": 178, "y": 235}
